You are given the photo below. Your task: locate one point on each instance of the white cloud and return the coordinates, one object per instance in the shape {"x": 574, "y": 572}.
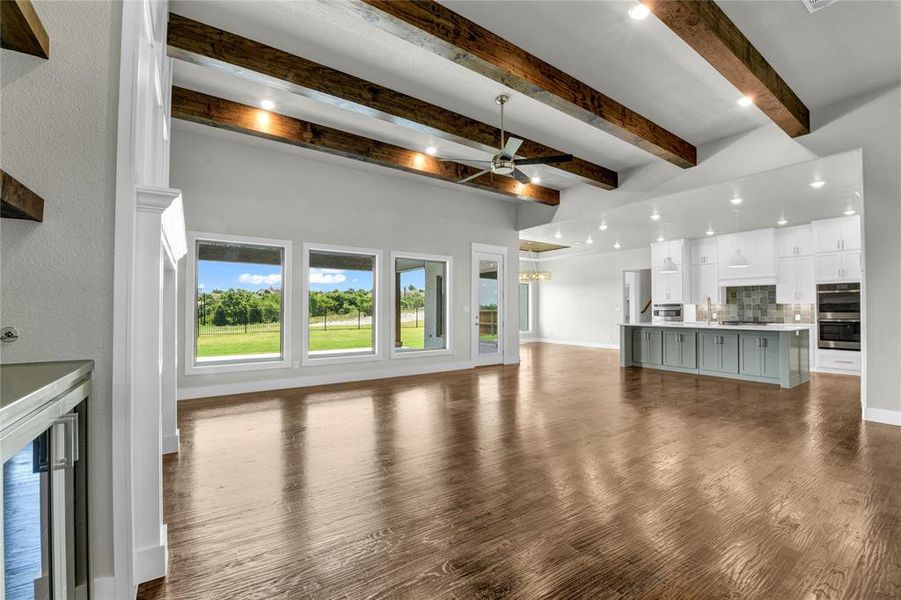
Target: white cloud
{"x": 254, "y": 279}
{"x": 327, "y": 276}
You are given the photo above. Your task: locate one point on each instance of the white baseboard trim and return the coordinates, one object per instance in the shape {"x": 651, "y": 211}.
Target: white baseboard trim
{"x": 512, "y": 360}
{"x": 227, "y": 389}
{"x": 835, "y": 371}
{"x": 603, "y": 345}
{"x": 881, "y": 415}
{"x": 171, "y": 443}
{"x": 150, "y": 563}
{"x": 104, "y": 588}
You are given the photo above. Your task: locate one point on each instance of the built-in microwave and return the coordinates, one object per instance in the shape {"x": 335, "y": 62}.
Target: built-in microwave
{"x": 667, "y": 312}
{"x": 838, "y": 316}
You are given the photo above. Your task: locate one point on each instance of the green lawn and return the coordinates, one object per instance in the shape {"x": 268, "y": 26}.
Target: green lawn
{"x": 268, "y": 342}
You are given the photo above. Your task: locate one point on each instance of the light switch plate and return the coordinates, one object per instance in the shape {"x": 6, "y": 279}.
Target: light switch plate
{"x": 797, "y": 317}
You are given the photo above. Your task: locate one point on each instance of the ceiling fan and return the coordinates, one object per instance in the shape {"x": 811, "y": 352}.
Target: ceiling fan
{"x": 504, "y": 162}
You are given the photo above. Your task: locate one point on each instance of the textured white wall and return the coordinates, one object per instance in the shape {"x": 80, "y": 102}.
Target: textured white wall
{"x": 250, "y": 188}
{"x": 583, "y": 301}
{"x": 58, "y": 132}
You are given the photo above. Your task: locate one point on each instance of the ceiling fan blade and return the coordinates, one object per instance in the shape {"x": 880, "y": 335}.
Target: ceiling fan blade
{"x": 521, "y": 177}
{"x": 464, "y": 160}
{"x": 511, "y": 147}
{"x": 545, "y": 160}
{"x": 471, "y": 177}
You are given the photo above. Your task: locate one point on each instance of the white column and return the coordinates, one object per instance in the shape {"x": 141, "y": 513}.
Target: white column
{"x": 159, "y": 243}
{"x": 170, "y": 358}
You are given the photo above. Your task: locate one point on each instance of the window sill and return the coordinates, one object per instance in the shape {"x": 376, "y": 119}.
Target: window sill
{"x": 336, "y": 358}
{"x": 237, "y": 366}
{"x": 421, "y": 353}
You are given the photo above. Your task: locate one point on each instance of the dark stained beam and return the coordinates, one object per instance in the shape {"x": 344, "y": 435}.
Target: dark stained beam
{"x": 706, "y": 28}
{"x": 17, "y": 201}
{"x": 208, "y": 46}
{"x": 454, "y": 37}
{"x": 209, "y": 110}
{"x": 21, "y": 29}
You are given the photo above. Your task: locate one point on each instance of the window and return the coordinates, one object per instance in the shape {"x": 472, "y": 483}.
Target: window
{"x": 340, "y": 303}
{"x": 238, "y": 303}
{"x": 525, "y": 324}
{"x": 421, "y": 292}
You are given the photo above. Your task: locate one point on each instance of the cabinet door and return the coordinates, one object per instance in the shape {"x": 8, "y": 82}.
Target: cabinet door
{"x": 851, "y": 233}
{"x": 709, "y": 351}
{"x": 698, "y": 284}
{"x": 638, "y": 344}
{"x": 787, "y": 281}
{"x": 713, "y": 283}
{"x": 769, "y": 356}
{"x": 851, "y": 266}
{"x": 672, "y": 349}
{"x": 729, "y": 349}
{"x": 659, "y": 251}
{"x": 658, "y": 286}
{"x": 806, "y": 284}
{"x": 827, "y": 236}
{"x": 828, "y": 267}
{"x": 804, "y": 235}
{"x": 689, "y": 350}
{"x": 786, "y": 243}
{"x": 750, "y": 362}
{"x": 653, "y": 352}
{"x": 674, "y": 288}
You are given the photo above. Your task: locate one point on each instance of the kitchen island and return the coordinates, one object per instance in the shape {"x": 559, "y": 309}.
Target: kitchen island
{"x": 775, "y": 353}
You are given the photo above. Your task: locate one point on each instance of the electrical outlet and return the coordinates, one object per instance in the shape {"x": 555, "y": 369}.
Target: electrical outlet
{"x": 797, "y": 317}
{"x": 713, "y": 316}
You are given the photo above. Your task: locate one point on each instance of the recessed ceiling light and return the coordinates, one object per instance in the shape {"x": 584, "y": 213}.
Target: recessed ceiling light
{"x": 431, "y": 150}
{"x": 781, "y": 221}
{"x": 602, "y": 227}
{"x": 745, "y": 101}
{"x": 558, "y": 235}
{"x": 817, "y": 184}
{"x": 267, "y": 104}
{"x": 616, "y": 245}
{"x": 589, "y": 240}
{"x": 736, "y": 201}
{"x": 536, "y": 180}
{"x": 659, "y": 238}
{"x": 850, "y": 212}
{"x": 655, "y": 217}
{"x": 710, "y": 231}
{"x": 639, "y": 12}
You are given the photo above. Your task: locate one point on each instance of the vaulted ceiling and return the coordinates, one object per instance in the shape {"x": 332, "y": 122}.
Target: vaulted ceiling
{"x": 641, "y": 64}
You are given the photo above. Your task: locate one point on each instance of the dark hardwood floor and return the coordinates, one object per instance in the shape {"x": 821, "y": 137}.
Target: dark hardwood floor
{"x": 565, "y": 477}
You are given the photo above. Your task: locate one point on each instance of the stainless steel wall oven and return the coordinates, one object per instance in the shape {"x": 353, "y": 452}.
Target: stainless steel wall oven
{"x": 838, "y": 316}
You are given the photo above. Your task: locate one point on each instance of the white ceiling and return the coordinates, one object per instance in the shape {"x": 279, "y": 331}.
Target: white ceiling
{"x": 765, "y": 197}
{"x": 841, "y": 51}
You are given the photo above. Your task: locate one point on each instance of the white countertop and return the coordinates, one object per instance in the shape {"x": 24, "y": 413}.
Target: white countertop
{"x": 714, "y": 325}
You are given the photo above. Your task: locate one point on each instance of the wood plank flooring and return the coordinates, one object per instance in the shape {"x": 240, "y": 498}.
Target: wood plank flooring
{"x": 564, "y": 477}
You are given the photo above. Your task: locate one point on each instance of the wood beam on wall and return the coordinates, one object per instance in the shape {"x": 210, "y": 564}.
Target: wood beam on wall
{"x": 189, "y": 105}
{"x": 440, "y": 30}
{"x": 208, "y": 46}
{"x": 21, "y": 29}
{"x": 17, "y": 201}
{"x": 705, "y": 27}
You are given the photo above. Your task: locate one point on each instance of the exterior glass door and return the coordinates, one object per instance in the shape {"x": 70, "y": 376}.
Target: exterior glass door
{"x": 489, "y": 309}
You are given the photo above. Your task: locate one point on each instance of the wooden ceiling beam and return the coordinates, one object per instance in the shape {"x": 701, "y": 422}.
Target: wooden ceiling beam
{"x": 17, "y": 201}
{"x": 21, "y": 29}
{"x": 705, "y": 27}
{"x": 209, "y": 110}
{"x": 445, "y": 33}
{"x": 208, "y": 46}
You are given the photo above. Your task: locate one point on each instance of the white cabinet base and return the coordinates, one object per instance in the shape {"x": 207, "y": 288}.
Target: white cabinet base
{"x": 838, "y": 361}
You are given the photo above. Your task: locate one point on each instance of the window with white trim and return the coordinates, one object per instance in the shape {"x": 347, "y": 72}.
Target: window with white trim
{"x": 421, "y": 300}
{"x": 238, "y": 310}
{"x": 525, "y": 324}
{"x": 340, "y": 303}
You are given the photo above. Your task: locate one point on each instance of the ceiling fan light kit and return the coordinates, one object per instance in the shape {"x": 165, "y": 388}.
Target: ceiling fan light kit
{"x": 505, "y": 162}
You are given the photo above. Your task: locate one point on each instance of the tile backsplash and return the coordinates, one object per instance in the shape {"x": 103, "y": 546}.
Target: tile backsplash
{"x": 756, "y": 303}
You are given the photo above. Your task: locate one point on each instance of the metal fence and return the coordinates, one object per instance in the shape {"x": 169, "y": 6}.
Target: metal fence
{"x": 247, "y": 321}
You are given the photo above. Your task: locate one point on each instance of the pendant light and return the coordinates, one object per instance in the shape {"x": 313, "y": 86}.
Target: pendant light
{"x": 737, "y": 260}
{"x": 669, "y": 266}
{"x": 534, "y": 275}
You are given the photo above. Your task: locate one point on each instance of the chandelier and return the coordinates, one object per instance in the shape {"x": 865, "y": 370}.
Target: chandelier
{"x": 534, "y": 275}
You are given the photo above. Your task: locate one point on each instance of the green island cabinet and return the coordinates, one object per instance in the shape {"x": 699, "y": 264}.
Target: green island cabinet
{"x": 779, "y": 355}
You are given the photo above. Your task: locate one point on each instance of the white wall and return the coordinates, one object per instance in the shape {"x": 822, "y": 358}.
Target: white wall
{"x": 58, "y": 131}
{"x": 254, "y": 188}
{"x": 583, "y": 301}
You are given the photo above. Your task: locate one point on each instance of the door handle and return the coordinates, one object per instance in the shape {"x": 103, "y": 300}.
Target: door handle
{"x": 69, "y": 423}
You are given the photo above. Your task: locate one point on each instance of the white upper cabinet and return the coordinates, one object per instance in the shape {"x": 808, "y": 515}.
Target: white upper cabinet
{"x": 758, "y": 246}
{"x": 837, "y": 267}
{"x": 704, "y": 284}
{"x": 703, "y": 251}
{"x": 669, "y": 288}
{"x": 836, "y": 235}
{"x": 795, "y": 280}
{"x": 794, "y": 241}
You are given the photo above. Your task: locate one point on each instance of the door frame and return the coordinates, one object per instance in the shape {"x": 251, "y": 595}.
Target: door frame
{"x": 500, "y": 252}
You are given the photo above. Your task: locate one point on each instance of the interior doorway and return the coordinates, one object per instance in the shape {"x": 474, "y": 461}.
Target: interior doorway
{"x": 488, "y": 299}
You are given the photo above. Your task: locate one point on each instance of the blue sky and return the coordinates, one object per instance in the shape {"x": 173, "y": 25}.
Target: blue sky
{"x": 218, "y": 275}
